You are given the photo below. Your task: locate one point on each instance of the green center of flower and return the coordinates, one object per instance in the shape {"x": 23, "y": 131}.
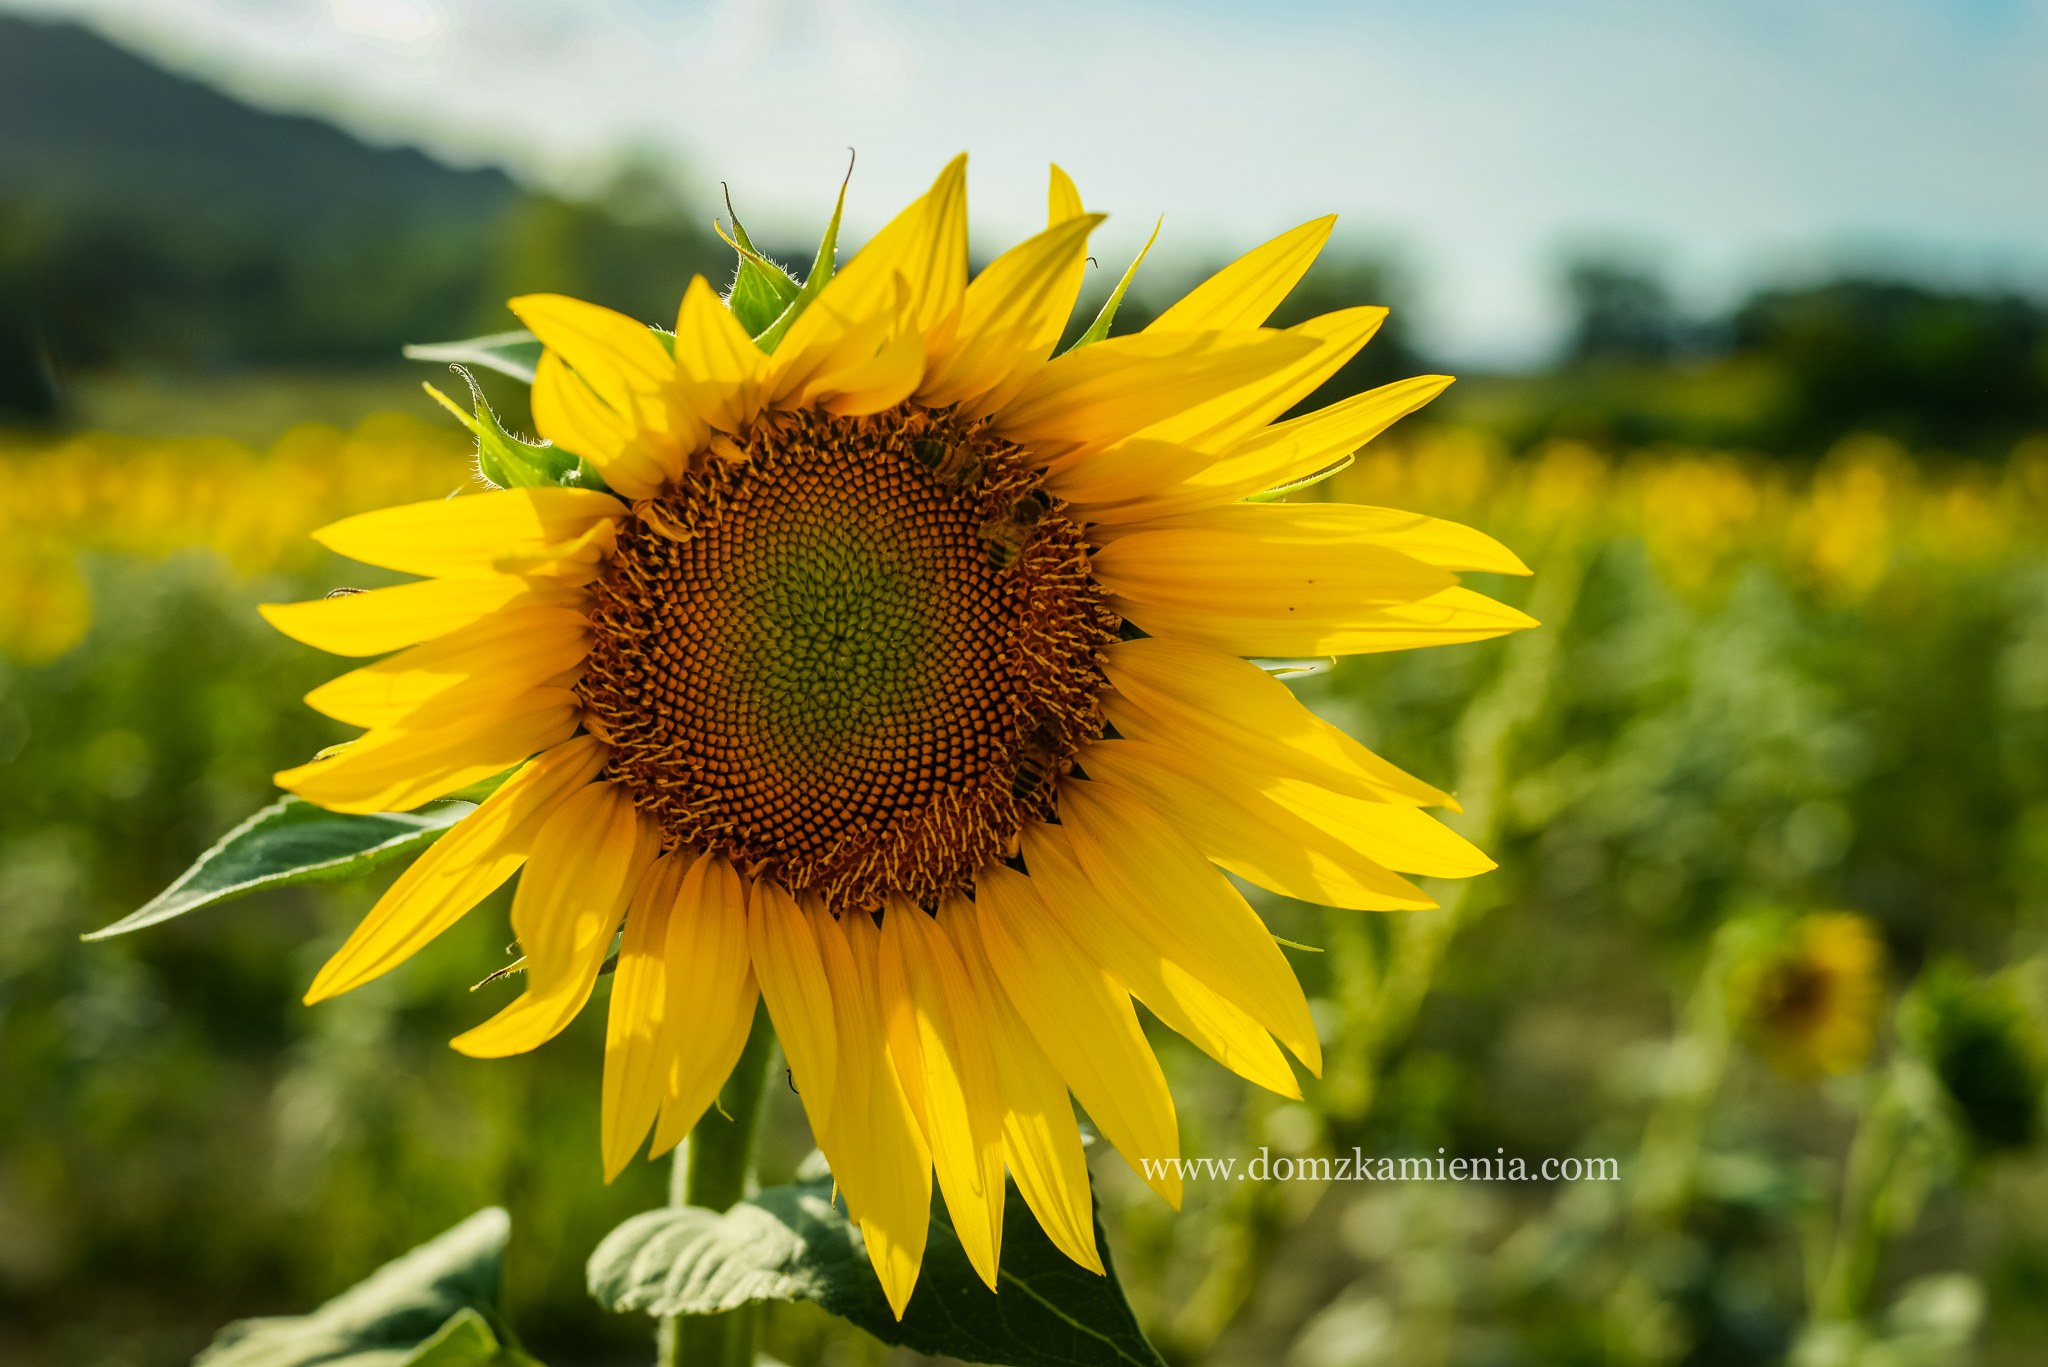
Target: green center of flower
{"x": 853, "y": 659}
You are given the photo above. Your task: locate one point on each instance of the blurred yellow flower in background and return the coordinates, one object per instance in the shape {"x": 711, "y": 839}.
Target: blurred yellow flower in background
{"x": 1814, "y": 998}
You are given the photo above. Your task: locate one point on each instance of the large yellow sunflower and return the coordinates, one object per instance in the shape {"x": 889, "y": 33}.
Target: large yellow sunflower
{"x": 900, "y": 679}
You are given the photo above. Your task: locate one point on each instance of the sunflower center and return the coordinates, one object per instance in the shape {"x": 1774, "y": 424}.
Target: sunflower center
{"x": 854, "y": 656}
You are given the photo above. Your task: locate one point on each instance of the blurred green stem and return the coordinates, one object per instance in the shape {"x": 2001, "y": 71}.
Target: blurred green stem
{"x": 1890, "y": 1166}
{"x": 712, "y": 1169}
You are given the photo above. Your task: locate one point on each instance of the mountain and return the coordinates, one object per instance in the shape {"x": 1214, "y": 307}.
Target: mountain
{"x": 85, "y": 124}
{"x": 149, "y": 219}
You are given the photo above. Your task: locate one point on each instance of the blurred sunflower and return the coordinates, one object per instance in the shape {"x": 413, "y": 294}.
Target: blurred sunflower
{"x": 899, "y": 677}
{"x": 1815, "y": 998}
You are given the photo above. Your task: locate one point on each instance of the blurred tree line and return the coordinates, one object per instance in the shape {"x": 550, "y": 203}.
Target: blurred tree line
{"x": 1792, "y": 368}
{"x": 148, "y": 220}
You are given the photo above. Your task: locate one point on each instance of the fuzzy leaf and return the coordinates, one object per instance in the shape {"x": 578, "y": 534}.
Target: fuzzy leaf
{"x": 761, "y": 290}
{"x": 293, "y": 841}
{"x": 794, "y": 1243}
{"x": 435, "y": 1307}
{"x": 501, "y": 458}
{"x": 822, "y": 266}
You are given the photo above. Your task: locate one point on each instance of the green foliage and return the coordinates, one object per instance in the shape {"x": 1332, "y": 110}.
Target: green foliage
{"x": 761, "y": 290}
{"x": 435, "y": 1307}
{"x": 822, "y": 266}
{"x": 293, "y": 841}
{"x": 1978, "y": 1039}
{"x": 501, "y": 458}
{"x": 796, "y": 1243}
{"x": 1106, "y": 315}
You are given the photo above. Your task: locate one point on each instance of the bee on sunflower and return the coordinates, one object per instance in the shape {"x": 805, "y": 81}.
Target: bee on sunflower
{"x": 889, "y": 668}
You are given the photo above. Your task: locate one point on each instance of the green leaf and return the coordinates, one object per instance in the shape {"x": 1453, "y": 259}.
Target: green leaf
{"x": 1099, "y": 329}
{"x": 822, "y": 266}
{"x": 293, "y": 841}
{"x": 761, "y": 290}
{"x": 509, "y": 353}
{"x": 435, "y": 1307}
{"x": 793, "y": 1243}
{"x": 502, "y": 458}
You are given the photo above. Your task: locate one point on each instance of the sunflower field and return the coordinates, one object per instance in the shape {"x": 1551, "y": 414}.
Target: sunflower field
{"x": 1753, "y": 1003}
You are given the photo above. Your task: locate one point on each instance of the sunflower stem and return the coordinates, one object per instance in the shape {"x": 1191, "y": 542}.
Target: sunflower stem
{"x": 712, "y": 1170}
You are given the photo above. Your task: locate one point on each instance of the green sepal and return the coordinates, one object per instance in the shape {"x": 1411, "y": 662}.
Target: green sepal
{"x": 514, "y": 353}
{"x": 761, "y": 290}
{"x": 293, "y": 841}
{"x": 1294, "y": 485}
{"x": 795, "y": 1243}
{"x": 822, "y": 266}
{"x": 435, "y": 1307}
{"x": 1106, "y": 315}
{"x": 502, "y": 459}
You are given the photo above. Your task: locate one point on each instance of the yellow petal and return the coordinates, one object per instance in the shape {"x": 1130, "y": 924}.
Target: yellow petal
{"x": 877, "y": 1152}
{"x": 505, "y": 653}
{"x": 636, "y": 1024}
{"x": 396, "y": 768}
{"x": 1182, "y": 1001}
{"x": 1181, "y": 905}
{"x": 467, "y": 535}
{"x": 1041, "y": 1143}
{"x": 1339, "y": 527}
{"x": 1403, "y": 838}
{"x": 460, "y": 869}
{"x": 1100, "y": 394}
{"x": 882, "y": 381}
{"x": 1062, "y": 198}
{"x": 1231, "y": 414}
{"x": 585, "y": 862}
{"x": 938, "y": 1037}
{"x": 1188, "y": 697}
{"x": 634, "y": 459}
{"x": 1012, "y": 316}
{"x": 719, "y": 365}
{"x": 618, "y": 357}
{"x": 1234, "y": 572}
{"x": 1225, "y": 813}
{"x": 782, "y": 940}
{"x": 1244, "y": 293}
{"x": 405, "y": 614}
{"x": 1130, "y": 473}
{"x": 1082, "y": 1018}
{"x": 926, "y": 244}
{"x": 1285, "y": 452}
{"x": 711, "y": 995}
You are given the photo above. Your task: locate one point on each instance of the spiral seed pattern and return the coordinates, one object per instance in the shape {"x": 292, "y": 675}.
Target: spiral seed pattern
{"x": 855, "y": 656}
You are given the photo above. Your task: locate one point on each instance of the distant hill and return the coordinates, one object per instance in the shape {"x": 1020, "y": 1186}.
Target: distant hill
{"x": 87, "y": 124}
{"x": 148, "y": 219}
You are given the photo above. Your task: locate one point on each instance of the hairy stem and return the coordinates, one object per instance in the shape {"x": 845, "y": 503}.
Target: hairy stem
{"x": 712, "y": 1168}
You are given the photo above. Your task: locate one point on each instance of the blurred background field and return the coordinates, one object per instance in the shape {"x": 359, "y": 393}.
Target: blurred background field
{"x": 1769, "y": 792}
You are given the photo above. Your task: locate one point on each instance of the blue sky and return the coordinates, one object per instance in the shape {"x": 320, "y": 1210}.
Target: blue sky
{"x": 1476, "y": 141}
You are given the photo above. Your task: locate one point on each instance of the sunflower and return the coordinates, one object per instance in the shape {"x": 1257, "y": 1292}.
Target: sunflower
{"x": 894, "y": 670}
{"x": 1815, "y": 1000}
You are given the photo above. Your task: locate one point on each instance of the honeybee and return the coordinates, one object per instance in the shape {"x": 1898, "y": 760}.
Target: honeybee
{"x": 1043, "y": 752}
{"x": 1008, "y": 532}
{"x": 956, "y": 467}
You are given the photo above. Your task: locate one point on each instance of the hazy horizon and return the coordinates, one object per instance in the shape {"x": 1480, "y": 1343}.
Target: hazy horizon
{"x": 1474, "y": 146}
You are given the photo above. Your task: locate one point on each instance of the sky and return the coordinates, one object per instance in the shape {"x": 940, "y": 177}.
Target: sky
{"x": 1477, "y": 143}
